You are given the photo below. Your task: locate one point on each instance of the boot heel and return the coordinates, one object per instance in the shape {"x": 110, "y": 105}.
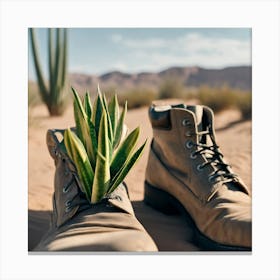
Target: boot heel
{"x": 160, "y": 200}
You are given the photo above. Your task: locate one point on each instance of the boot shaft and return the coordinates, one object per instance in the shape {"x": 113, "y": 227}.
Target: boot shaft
{"x": 67, "y": 196}
{"x": 176, "y": 128}
{"x": 184, "y": 141}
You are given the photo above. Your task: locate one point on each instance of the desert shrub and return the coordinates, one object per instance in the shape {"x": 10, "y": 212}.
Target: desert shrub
{"x": 244, "y": 104}
{"x": 171, "y": 87}
{"x": 218, "y": 99}
{"x": 223, "y": 98}
{"x": 138, "y": 97}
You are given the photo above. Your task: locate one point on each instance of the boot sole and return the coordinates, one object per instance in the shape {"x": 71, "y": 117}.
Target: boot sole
{"x": 167, "y": 204}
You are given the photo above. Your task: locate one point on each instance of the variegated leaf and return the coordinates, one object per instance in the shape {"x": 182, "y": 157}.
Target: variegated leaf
{"x": 97, "y": 112}
{"x": 119, "y": 129}
{"x": 119, "y": 177}
{"x": 87, "y": 105}
{"x": 82, "y": 125}
{"x": 124, "y": 151}
{"x": 102, "y": 168}
{"x": 110, "y": 130}
{"x": 113, "y": 108}
{"x": 77, "y": 153}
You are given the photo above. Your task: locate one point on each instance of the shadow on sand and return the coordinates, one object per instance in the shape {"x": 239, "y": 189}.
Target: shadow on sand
{"x": 231, "y": 124}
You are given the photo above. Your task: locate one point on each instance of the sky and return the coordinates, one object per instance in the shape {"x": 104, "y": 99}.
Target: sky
{"x": 96, "y": 51}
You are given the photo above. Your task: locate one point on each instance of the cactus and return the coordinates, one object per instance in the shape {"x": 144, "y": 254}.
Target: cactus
{"x": 52, "y": 95}
{"x": 98, "y": 147}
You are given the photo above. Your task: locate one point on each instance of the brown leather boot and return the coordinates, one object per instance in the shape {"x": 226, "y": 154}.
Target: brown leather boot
{"x": 186, "y": 171}
{"x": 77, "y": 225}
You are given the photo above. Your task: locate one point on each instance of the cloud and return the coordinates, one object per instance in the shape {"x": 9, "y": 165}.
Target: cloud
{"x": 189, "y": 49}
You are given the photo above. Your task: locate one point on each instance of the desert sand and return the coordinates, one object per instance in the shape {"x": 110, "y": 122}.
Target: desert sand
{"x": 170, "y": 233}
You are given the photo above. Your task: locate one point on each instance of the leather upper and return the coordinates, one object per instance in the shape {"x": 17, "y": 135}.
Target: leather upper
{"x": 221, "y": 205}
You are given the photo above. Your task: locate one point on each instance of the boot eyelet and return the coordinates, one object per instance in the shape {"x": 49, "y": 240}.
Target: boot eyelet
{"x": 199, "y": 167}
{"x": 185, "y": 122}
{"x": 193, "y": 156}
{"x": 67, "y": 203}
{"x": 211, "y": 179}
{"x": 67, "y": 209}
{"x": 189, "y": 144}
{"x": 117, "y": 197}
{"x": 65, "y": 189}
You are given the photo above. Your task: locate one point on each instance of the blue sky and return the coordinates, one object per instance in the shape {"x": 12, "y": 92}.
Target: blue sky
{"x": 100, "y": 50}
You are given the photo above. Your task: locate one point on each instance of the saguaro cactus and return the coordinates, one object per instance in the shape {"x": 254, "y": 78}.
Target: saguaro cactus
{"x": 52, "y": 95}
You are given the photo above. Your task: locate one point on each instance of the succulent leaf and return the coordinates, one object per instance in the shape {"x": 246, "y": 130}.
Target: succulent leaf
{"x": 82, "y": 125}
{"x": 119, "y": 128}
{"x": 94, "y": 142}
{"x": 102, "y": 168}
{"x": 87, "y": 105}
{"x": 124, "y": 151}
{"x": 78, "y": 155}
{"x": 113, "y": 108}
{"x": 119, "y": 177}
{"x": 97, "y": 112}
{"x": 110, "y": 130}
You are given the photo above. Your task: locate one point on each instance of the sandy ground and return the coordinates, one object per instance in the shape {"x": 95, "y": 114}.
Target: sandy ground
{"x": 170, "y": 233}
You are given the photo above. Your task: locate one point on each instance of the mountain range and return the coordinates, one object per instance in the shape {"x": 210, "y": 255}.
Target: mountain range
{"x": 238, "y": 77}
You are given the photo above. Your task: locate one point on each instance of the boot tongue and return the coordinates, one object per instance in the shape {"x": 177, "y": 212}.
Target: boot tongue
{"x": 201, "y": 122}
{"x": 198, "y": 112}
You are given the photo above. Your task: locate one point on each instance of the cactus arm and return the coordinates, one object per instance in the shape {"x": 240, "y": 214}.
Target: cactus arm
{"x": 38, "y": 69}
{"x": 57, "y": 65}
{"x": 51, "y": 58}
{"x": 64, "y": 59}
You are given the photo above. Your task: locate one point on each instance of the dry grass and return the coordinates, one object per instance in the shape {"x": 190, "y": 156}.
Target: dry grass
{"x": 223, "y": 98}
{"x": 171, "y": 88}
{"x": 138, "y": 97}
{"x": 218, "y": 98}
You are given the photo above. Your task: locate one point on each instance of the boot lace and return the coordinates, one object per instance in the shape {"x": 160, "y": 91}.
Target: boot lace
{"x": 213, "y": 157}
{"x": 79, "y": 199}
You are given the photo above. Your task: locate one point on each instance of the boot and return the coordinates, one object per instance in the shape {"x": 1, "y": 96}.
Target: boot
{"x": 77, "y": 225}
{"x": 186, "y": 172}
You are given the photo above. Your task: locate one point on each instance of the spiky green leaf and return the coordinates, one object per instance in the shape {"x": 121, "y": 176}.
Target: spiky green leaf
{"x": 113, "y": 108}
{"x": 82, "y": 125}
{"x": 102, "y": 168}
{"x": 97, "y": 112}
{"x": 119, "y": 128}
{"x": 119, "y": 177}
{"x": 124, "y": 151}
{"x": 94, "y": 141}
{"x": 77, "y": 153}
{"x": 87, "y": 105}
{"x": 110, "y": 130}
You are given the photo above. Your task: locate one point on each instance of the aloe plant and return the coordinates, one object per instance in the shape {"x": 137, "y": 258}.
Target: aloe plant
{"x": 52, "y": 94}
{"x": 101, "y": 152}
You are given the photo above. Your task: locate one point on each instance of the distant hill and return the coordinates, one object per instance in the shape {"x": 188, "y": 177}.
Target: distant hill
{"x": 239, "y": 77}
{"x": 235, "y": 77}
